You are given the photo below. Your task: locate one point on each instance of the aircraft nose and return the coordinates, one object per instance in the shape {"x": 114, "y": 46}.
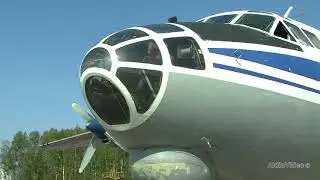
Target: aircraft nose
{"x": 122, "y": 82}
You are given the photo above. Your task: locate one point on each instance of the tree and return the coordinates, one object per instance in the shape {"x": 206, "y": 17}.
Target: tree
{"x": 5, "y": 161}
{"x": 23, "y": 161}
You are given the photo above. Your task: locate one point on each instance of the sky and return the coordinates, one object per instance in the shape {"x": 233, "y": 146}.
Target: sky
{"x": 42, "y": 44}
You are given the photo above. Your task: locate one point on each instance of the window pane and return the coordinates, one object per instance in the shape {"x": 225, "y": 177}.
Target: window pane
{"x": 107, "y": 101}
{"x": 185, "y": 52}
{"x": 124, "y": 36}
{"x": 222, "y": 19}
{"x": 142, "y": 84}
{"x": 298, "y": 34}
{"x": 98, "y": 57}
{"x": 141, "y": 52}
{"x": 313, "y": 38}
{"x": 258, "y": 21}
{"x": 281, "y": 31}
{"x": 163, "y": 28}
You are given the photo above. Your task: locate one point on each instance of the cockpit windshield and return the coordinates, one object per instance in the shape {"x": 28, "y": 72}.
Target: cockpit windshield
{"x": 125, "y": 35}
{"x": 298, "y": 34}
{"x": 312, "y": 38}
{"x": 163, "y": 28}
{"x": 223, "y": 19}
{"x": 258, "y": 21}
{"x": 140, "y": 52}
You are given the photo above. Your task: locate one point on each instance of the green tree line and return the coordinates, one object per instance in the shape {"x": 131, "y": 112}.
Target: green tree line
{"x": 21, "y": 159}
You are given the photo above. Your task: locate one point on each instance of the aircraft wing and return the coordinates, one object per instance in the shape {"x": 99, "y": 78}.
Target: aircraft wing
{"x": 90, "y": 139}
{"x": 80, "y": 140}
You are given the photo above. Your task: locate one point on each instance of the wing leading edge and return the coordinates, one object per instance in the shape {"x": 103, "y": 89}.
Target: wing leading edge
{"x": 87, "y": 139}
{"x": 92, "y": 138}
{"x": 80, "y": 140}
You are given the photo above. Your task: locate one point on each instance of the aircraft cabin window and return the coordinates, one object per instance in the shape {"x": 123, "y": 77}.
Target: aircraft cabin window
{"x": 222, "y": 19}
{"x": 140, "y": 52}
{"x": 313, "y": 38}
{"x": 281, "y": 31}
{"x": 298, "y": 34}
{"x": 163, "y": 28}
{"x": 125, "y": 35}
{"x": 262, "y": 22}
{"x": 185, "y": 52}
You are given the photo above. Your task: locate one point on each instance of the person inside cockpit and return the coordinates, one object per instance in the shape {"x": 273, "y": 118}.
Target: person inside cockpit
{"x": 144, "y": 91}
{"x": 154, "y": 55}
{"x": 152, "y": 49}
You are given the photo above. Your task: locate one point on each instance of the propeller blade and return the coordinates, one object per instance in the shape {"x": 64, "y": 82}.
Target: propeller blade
{"x": 81, "y": 112}
{"x": 88, "y": 155}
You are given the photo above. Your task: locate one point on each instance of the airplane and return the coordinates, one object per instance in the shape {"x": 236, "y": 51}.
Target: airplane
{"x": 232, "y": 96}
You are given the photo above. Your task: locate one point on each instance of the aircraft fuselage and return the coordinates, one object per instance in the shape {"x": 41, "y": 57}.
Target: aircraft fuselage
{"x": 210, "y": 101}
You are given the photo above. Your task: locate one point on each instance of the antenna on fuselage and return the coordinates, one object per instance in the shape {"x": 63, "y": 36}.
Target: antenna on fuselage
{"x": 288, "y": 12}
{"x": 173, "y": 19}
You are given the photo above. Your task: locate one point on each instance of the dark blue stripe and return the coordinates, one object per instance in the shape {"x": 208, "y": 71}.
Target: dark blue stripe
{"x": 296, "y": 65}
{"x": 259, "y": 75}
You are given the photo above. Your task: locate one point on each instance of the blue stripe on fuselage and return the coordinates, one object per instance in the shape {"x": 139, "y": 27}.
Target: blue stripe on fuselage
{"x": 296, "y": 65}
{"x": 259, "y": 75}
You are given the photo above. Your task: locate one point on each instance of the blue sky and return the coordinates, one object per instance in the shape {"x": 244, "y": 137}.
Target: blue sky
{"x": 43, "y": 42}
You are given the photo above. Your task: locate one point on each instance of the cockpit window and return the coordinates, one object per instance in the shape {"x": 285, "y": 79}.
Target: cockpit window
{"x": 262, "y": 22}
{"x": 124, "y": 36}
{"x": 142, "y": 84}
{"x": 98, "y": 57}
{"x": 163, "y": 28}
{"x": 107, "y": 101}
{"x": 141, "y": 52}
{"x": 185, "y": 52}
{"x": 222, "y": 19}
{"x": 312, "y": 38}
{"x": 298, "y": 34}
{"x": 282, "y": 32}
